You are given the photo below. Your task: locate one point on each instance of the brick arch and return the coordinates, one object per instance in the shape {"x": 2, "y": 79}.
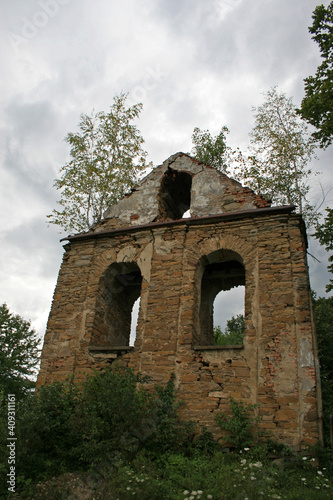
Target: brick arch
{"x": 198, "y": 256}
{"x": 220, "y": 270}
{"x": 118, "y": 288}
{"x": 111, "y": 273}
{"x": 103, "y": 261}
{"x": 229, "y": 242}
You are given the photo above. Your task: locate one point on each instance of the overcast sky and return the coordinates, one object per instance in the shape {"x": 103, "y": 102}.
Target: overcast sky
{"x": 191, "y": 63}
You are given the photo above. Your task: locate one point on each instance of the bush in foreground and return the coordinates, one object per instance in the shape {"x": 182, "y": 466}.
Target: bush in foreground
{"x": 111, "y": 438}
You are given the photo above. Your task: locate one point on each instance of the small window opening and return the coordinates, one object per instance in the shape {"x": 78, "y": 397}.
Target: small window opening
{"x": 120, "y": 288}
{"x": 223, "y": 272}
{"x": 175, "y": 194}
{"x": 134, "y": 321}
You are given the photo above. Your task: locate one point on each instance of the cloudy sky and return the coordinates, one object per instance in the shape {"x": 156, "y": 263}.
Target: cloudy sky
{"x": 190, "y": 62}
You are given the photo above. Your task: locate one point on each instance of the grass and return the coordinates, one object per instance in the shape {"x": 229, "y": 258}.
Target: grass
{"x": 234, "y": 476}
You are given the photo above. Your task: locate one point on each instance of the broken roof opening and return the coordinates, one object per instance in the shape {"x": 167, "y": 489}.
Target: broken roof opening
{"x": 174, "y": 194}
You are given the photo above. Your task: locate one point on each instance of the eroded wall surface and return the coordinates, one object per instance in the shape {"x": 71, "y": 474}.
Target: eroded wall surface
{"x": 164, "y": 262}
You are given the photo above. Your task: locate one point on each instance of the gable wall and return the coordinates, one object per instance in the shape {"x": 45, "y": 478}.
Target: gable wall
{"x": 277, "y": 366}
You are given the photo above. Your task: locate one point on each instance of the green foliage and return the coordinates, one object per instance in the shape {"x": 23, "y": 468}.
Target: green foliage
{"x": 324, "y": 233}
{"x": 19, "y": 354}
{"x": 67, "y": 427}
{"x": 323, "y": 316}
{"x": 316, "y": 107}
{"x": 281, "y": 148}
{"x": 233, "y": 333}
{"x": 45, "y": 431}
{"x": 60, "y": 428}
{"x": 220, "y": 475}
{"x": 205, "y": 443}
{"x": 110, "y": 418}
{"x": 168, "y": 432}
{"x": 240, "y": 422}
{"x": 210, "y": 150}
{"x": 106, "y": 158}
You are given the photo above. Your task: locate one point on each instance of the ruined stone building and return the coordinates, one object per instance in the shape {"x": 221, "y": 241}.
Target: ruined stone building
{"x": 144, "y": 248}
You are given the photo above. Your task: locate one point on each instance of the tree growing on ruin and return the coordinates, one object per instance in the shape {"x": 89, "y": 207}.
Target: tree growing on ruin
{"x": 19, "y": 353}
{"x": 281, "y": 148}
{"x": 209, "y": 149}
{"x": 106, "y": 158}
{"x": 317, "y": 105}
{"x": 276, "y": 163}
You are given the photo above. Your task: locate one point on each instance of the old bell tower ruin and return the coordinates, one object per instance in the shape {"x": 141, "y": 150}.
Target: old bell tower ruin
{"x": 144, "y": 249}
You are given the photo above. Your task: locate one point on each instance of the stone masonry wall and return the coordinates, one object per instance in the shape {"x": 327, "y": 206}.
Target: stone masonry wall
{"x": 276, "y": 367}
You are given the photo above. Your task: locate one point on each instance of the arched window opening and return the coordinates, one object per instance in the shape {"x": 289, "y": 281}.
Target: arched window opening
{"x": 228, "y": 316}
{"x": 222, "y": 271}
{"x": 134, "y": 321}
{"x": 175, "y": 194}
{"x": 119, "y": 289}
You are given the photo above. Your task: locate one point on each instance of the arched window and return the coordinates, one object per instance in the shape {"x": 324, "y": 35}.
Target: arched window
{"x": 175, "y": 194}
{"x": 222, "y": 270}
{"x": 119, "y": 288}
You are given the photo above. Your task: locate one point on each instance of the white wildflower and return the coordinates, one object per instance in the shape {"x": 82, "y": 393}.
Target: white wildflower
{"x": 319, "y": 473}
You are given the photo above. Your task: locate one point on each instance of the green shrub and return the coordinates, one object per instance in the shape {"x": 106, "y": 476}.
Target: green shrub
{"x": 45, "y": 432}
{"x": 109, "y": 417}
{"x": 240, "y": 423}
{"x": 168, "y": 432}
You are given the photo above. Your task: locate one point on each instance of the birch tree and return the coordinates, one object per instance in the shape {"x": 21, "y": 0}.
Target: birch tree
{"x": 281, "y": 148}
{"x": 106, "y": 158}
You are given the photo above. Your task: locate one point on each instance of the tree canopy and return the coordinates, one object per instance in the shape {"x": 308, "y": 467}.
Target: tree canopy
{"x": 19, "y": 353}
{"x": 106, "y": 158}
{"x": 276, "y": 164}
{"x": 281, "y": 147}
{"x": 317, "y": 105}
{"x": 209, "y": 149}
{"x": 233, "y": 333}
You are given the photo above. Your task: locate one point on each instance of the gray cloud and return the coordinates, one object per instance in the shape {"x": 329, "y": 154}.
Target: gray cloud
{"x": 191, "y": 63}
